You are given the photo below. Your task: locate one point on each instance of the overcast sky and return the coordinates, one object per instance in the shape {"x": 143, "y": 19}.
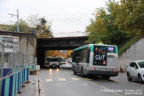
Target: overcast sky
{"x": 65, "y": 15}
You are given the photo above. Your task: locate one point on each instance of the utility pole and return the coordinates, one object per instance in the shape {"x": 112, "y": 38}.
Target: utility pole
{"x": 17, "y": 15}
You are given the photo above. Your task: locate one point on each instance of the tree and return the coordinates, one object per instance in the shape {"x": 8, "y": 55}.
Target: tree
{"x": 43, "y": 30}
{"x": 131, "y": 17}
{"x": 41, "y": 26}
{"x": 103, "y": 27}
{"x": 23, "y": 27}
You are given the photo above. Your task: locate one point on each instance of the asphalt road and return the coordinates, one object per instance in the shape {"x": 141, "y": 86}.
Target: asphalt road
{"x": 61, "y": 82}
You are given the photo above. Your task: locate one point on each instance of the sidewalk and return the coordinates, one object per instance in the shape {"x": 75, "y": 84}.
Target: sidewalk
{"x": 30, "y": 89}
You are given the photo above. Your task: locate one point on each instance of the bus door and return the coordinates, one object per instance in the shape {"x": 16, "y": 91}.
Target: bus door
{"x": 76, "y": 59}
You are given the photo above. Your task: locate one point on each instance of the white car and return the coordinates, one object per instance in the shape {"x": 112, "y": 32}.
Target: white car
{"x": 136, "y": 71}
{"x": 66, "y": 66}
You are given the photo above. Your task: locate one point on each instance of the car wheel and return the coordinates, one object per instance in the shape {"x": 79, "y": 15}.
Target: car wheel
{"x": 139, "y": 79}
{"x": 128, "y": 77}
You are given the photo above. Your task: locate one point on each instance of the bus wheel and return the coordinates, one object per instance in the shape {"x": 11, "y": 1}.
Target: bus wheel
{"x": 74, "y": 72}
{"x": 81, "y": 74}
{"x": 106, "y": 77}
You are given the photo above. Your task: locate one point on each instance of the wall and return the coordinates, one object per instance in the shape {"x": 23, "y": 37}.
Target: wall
{"x": 27, "y": 46}
{"x": 135, "y": 52}
{"x": 27, "y": 43}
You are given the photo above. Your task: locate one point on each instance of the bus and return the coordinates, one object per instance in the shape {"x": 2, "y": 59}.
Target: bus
{"x": 52, "y": 61}
{"x": 96, "y": 59}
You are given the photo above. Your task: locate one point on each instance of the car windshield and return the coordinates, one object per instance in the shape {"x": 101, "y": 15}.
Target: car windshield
{"x": 141, "y": 64}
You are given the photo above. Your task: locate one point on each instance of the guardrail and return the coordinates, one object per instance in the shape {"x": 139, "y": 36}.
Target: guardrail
{"x": 70, "y": 34}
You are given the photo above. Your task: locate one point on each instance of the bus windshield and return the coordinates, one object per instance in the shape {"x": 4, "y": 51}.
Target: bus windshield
{"x": 100, "y": 54}
{"x": 52, "y": 59}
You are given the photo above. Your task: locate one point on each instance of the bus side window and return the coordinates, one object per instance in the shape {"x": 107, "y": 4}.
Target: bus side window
{"x": 79, "y": 56}
{"x": 88, "y": 55}
{"x": 76, "y": 57}
{"x": 84, "y": 55}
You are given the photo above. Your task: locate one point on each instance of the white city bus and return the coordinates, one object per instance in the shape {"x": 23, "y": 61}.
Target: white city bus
{"x": 96, "y": 59}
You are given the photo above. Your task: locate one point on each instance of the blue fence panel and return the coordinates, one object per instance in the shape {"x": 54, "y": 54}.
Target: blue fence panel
{"x": 10, "y": 85}
{"x": 7, "y": 85}
{"x": 14, "y": 85}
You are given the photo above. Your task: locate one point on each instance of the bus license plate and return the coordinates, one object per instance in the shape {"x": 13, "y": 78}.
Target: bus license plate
{"x": 103, "y": 69}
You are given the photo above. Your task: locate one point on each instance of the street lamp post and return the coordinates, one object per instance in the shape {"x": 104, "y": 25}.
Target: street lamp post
{"x": 17, "y": 15}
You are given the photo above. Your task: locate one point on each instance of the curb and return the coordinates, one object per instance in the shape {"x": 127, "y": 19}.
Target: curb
{"x": 40, "y": 91}
{"x": 36, "y": 93}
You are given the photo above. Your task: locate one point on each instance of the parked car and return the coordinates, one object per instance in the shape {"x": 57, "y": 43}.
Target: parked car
{"x": 62, "y": 61}
{"x": 69, "y": 60}
{"x": 66, "y": 66}
{"x": 135, "y": 70}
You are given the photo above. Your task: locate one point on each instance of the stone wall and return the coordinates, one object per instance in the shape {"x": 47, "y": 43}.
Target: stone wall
{"x": 135, "y": 52}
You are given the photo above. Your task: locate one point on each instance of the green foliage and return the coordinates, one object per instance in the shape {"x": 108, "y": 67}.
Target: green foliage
{"x": 43, "y": 30}
{"x": 131, "y": 17}
{"x": 118, "y": 23}
{"x": 103, "y": 27}
{"x": 23, "y": 27}
{"x": 39, "y": 25}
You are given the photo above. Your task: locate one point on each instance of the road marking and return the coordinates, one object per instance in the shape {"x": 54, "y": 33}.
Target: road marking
{"x": 87, "y": 79}
{"x": 74, "y": 78}
{"x": 49, "y": 80}
{"x": 114, "y": 80}
{"x": 136, "y": 83}
{"x": 105, "y": 88}
{"x": 62, "y": 79}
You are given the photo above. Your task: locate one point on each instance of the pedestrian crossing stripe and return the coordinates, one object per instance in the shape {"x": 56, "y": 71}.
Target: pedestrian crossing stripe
{"x": 62, "y": 79}
{"x": 74, "y": 78}
{"x": 49, "y": 80}
{"x": 87, "y": 79}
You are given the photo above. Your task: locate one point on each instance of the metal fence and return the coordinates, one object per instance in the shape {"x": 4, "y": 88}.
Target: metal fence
{"x": 14, "y": 61}
{"x": 14, "y": 64}
{"x": 10, "y": 62}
